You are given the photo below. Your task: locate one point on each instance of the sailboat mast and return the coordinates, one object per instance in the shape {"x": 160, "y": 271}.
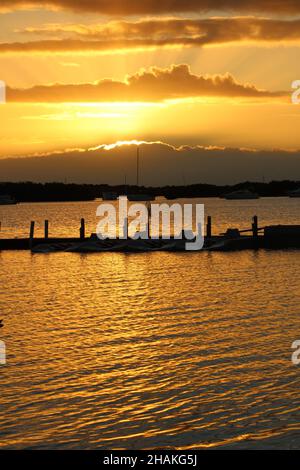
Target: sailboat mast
{"x": 137, "y": 166}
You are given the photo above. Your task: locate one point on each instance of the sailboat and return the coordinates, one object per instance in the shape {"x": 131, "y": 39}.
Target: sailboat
{"x": 6, "y": 200}
{"x": 109, "y": 196}
{"x": 139, "y": 196}
{"x": 241, "y": 194}
{"x": 294, "y": 193}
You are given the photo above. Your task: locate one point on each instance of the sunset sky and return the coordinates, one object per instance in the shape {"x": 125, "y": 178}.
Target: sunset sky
{"x": 190, "y": 74}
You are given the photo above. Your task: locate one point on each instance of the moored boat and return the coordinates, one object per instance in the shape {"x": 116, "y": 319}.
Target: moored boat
{"x": 7, "y": 200}
{"x": 294, "y": 193}
{"x": 109, "y": 196}
{"x": 241, "y": 194}
{"x": 140, "y": 197}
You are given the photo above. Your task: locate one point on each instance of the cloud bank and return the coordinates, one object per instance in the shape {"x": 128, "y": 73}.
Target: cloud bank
{"x": 137, "y": 7}
{"x": 153, "y": 33}
{"x": 155, "y": 84}
{"x": 161, "y": 164}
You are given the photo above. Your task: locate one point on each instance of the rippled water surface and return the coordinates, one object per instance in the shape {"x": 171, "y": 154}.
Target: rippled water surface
{"x": 131, "y": 351}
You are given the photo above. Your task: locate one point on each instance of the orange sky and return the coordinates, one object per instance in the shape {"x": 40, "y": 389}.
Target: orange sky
{"x": 81, "y": 74}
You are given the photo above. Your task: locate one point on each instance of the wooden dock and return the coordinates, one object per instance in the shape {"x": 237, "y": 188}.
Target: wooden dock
{"x": 270, "y": 237}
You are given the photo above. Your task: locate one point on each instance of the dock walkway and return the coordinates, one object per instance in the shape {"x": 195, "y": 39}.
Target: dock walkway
{"x": 270, "y": 237}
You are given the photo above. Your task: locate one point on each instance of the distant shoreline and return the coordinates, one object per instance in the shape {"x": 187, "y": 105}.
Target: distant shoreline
{"x": 63, "y": 192}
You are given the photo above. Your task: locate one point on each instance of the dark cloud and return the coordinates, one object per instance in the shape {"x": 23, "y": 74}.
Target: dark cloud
{"x": 154, "y": 33}
{"x": 156, "y": 84}
{"x": 160, "y": 164}
{"x": 133, "y": 7}
{"x": 203, "y": 31}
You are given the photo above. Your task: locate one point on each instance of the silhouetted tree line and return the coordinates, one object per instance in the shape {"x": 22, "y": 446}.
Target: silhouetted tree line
{"x": 40, "y": 192}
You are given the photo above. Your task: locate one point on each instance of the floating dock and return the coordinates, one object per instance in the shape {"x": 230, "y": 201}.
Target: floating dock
{"x": 270, "y": 237}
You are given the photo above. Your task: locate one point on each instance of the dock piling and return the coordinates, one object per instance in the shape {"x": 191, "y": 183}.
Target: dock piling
{"x": 31, "y": 233}
{"x": 82, "y": 229}
{"x": 255, "y": 227}
{"x": 208, "y": 227}
{"x": 46, "y": 229}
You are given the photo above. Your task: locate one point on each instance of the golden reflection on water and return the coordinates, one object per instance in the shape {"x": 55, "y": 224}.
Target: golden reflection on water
{"x": 146, "y": 350}
{"x": 64, "y": 218}
{"x": 176, "y": 350}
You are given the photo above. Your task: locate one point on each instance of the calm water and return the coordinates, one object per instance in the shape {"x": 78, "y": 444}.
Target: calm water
{"x": 145, "y": 350}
